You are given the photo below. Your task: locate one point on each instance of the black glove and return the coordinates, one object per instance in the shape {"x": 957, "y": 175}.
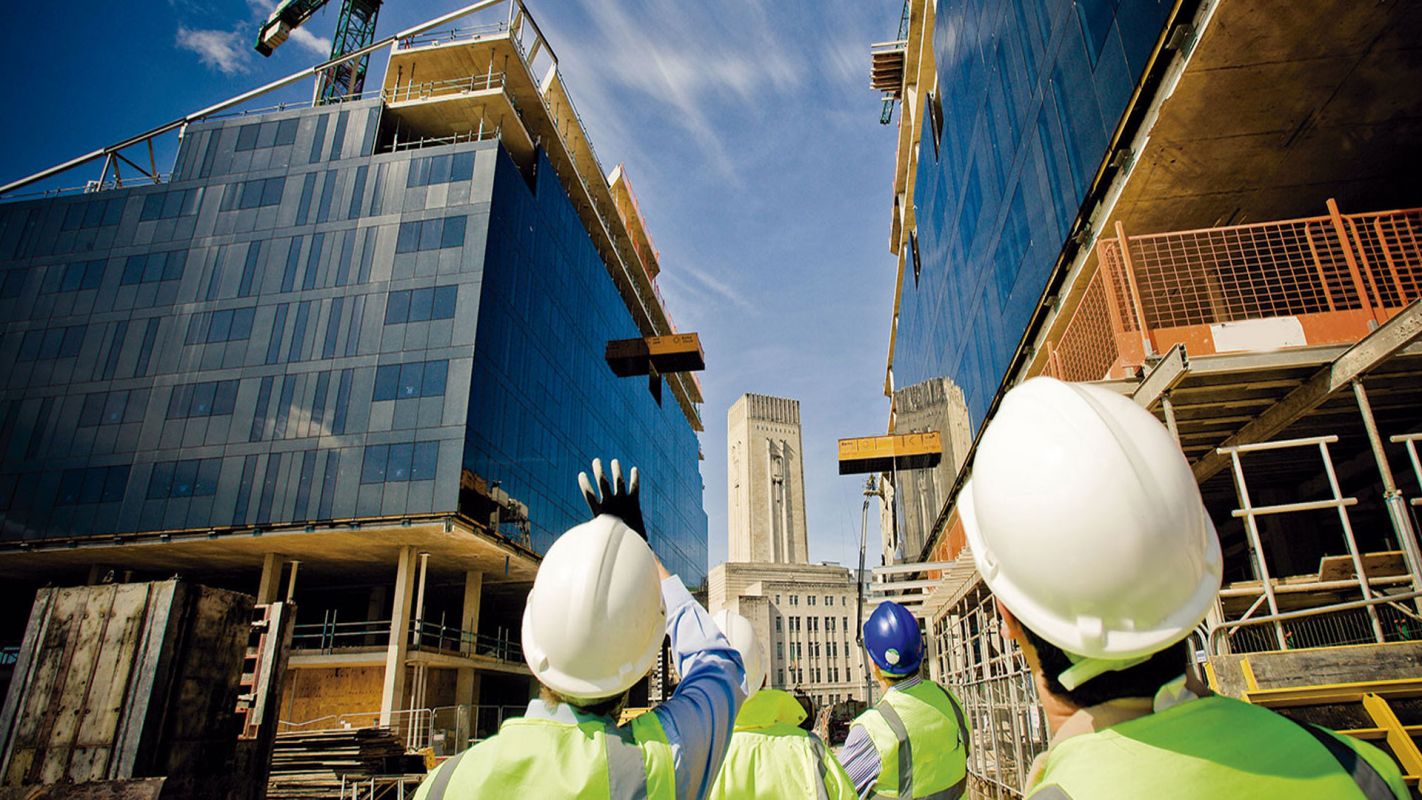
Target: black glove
{"x": 615, "y": 498}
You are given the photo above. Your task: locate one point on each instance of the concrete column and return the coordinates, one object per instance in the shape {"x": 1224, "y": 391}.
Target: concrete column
{"x": 291, "y": 581}
{"x": 392, "y": 693}
{"x": 473, "y": 594}
{"x": 268, "y": 585}
{"x": 466, "y": 686}
{"x": 420, "y": 599}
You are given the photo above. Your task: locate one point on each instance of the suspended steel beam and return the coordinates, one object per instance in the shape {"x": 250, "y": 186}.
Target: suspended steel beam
{"x": 885, "y": 453}
{"x": 679, "y": 352}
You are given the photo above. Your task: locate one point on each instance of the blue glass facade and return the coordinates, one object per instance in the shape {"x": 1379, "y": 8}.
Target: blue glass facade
{"x": 1031, "y": 91}
{"x": 294, "y": 328}
{"x": 545, "y": 402}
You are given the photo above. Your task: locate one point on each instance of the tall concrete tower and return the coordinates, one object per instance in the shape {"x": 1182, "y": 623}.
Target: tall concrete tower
{"x": 766, "y": 489}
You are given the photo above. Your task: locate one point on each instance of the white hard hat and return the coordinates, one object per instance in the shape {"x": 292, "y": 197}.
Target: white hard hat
{"x": 741, "y": 634}
{"x": 1086, "y": 521}
{"x": 595, "y": 620}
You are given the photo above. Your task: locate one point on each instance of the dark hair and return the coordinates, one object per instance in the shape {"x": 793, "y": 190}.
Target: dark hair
{"x": 808, "y": 723}
{"x": 1142, "y": 680}
{"x": 606, "y": 707}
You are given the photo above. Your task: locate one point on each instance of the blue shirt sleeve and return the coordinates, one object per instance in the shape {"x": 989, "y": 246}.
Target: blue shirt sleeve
{"x": 699, "y": 716}
{"x": 860, "y": 760}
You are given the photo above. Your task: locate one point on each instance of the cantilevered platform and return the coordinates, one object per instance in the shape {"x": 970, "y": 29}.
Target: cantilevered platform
{"x": 348, "y": 548}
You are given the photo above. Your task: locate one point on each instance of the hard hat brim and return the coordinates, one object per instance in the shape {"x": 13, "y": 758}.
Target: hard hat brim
{"x": 1079, "y": 635}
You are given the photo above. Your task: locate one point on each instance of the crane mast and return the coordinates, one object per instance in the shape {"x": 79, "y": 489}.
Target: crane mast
{"x": 355, "y": 28}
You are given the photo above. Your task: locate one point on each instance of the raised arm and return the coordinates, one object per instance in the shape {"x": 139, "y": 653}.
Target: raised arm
{"x": 699, "y": 716}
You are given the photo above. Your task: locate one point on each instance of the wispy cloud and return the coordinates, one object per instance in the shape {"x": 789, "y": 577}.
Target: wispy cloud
{"x": 685, "y": 61}
{"x": 717, "y": 287}
{"x": 310, "y": 41}
{"x": 223, "y": 51}
{"x": 847, "y": 63}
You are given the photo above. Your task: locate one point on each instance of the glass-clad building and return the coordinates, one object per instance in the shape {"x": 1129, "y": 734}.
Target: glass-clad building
{"x": 298, "y": 327}
{"x": 1029, "y": 95}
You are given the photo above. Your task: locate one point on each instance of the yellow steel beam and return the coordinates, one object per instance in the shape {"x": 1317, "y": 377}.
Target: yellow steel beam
{"x": 1250, "y": 684}
{"x": 1403, "y": 747}
{"x": 1370, "y": 734}
{"x": 1286, "y": 696}
{"x": 679, "y": 352}
{"x": 895, "y": 451}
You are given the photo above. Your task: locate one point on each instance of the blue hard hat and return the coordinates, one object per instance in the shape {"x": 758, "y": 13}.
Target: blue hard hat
{"x": 892, "y": 638}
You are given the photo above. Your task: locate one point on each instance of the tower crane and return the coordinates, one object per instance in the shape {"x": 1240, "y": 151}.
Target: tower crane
{"x": 354, "y": 29}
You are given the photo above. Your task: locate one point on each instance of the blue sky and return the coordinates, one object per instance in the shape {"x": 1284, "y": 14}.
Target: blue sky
{"x": 747, "y": 127}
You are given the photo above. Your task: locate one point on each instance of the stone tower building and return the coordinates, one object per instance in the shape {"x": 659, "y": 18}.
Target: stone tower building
{"x": 766, "y": 486}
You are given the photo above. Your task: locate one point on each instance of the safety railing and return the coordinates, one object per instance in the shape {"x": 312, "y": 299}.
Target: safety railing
{"x": 331, "y": 634}
{"x": 479, "y": 135}
{"x": 379, "y": 787}
{"x": 443, "y": 638}
{"x": 1333, "y": 625}
{"x": 465, "y": 34}
{"x": 403, "y": 93}
{"x": 1410, "y": 440}
{"x": 1339, "y": 274}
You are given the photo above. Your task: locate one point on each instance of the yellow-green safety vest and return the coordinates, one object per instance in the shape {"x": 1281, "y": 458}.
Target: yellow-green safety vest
{"x": 922, "y": 741}
{"x": 593, "y": 759}
{"x": 1217, "y": 747}
{"x": 772, "y": 757}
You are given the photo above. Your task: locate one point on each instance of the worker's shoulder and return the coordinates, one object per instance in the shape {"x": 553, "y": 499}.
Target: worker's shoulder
{"x": 461, "y": 762}
{"x": 1213, "y": 730}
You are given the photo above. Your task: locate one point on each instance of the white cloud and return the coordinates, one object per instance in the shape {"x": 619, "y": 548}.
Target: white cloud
{"x": 310, "y": 41}
{"x": 224, "y": 51}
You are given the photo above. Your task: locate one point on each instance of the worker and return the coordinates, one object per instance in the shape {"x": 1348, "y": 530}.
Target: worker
{"x": 914, "y": 743}
{"x": 592, "y": 628}
{"x": 1086, "y": 522}
{"x": 771, "y": 756}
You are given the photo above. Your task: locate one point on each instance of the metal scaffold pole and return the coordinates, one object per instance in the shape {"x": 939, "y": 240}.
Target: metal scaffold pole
{"x": 869, "y": 492}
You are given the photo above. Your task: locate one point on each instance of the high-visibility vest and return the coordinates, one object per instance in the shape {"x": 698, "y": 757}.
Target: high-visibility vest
{"x": 547, "y": 758}
{"x": 922, "y": 740}
{"x": 1217, "y": 747}
{"x": 772, "y": 757}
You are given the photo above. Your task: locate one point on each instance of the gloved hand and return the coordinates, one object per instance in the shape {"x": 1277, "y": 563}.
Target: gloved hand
{"x": 615, "y": 498}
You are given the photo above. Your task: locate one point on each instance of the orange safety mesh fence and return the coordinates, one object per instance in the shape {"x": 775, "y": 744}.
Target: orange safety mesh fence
{"x": 1245, "y": 272}
{"x": 1087, "y": 348}
{"x": 1389, "y": 247}
{"x": 1204, "y": 277}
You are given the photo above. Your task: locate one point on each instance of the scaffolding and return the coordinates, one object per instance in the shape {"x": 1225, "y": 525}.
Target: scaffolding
{"x": 989, "y": 675}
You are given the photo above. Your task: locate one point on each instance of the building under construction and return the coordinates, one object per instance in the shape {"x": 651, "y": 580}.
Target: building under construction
{"x": 1212, "y": 207}
{"x": 351, "y": 354}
